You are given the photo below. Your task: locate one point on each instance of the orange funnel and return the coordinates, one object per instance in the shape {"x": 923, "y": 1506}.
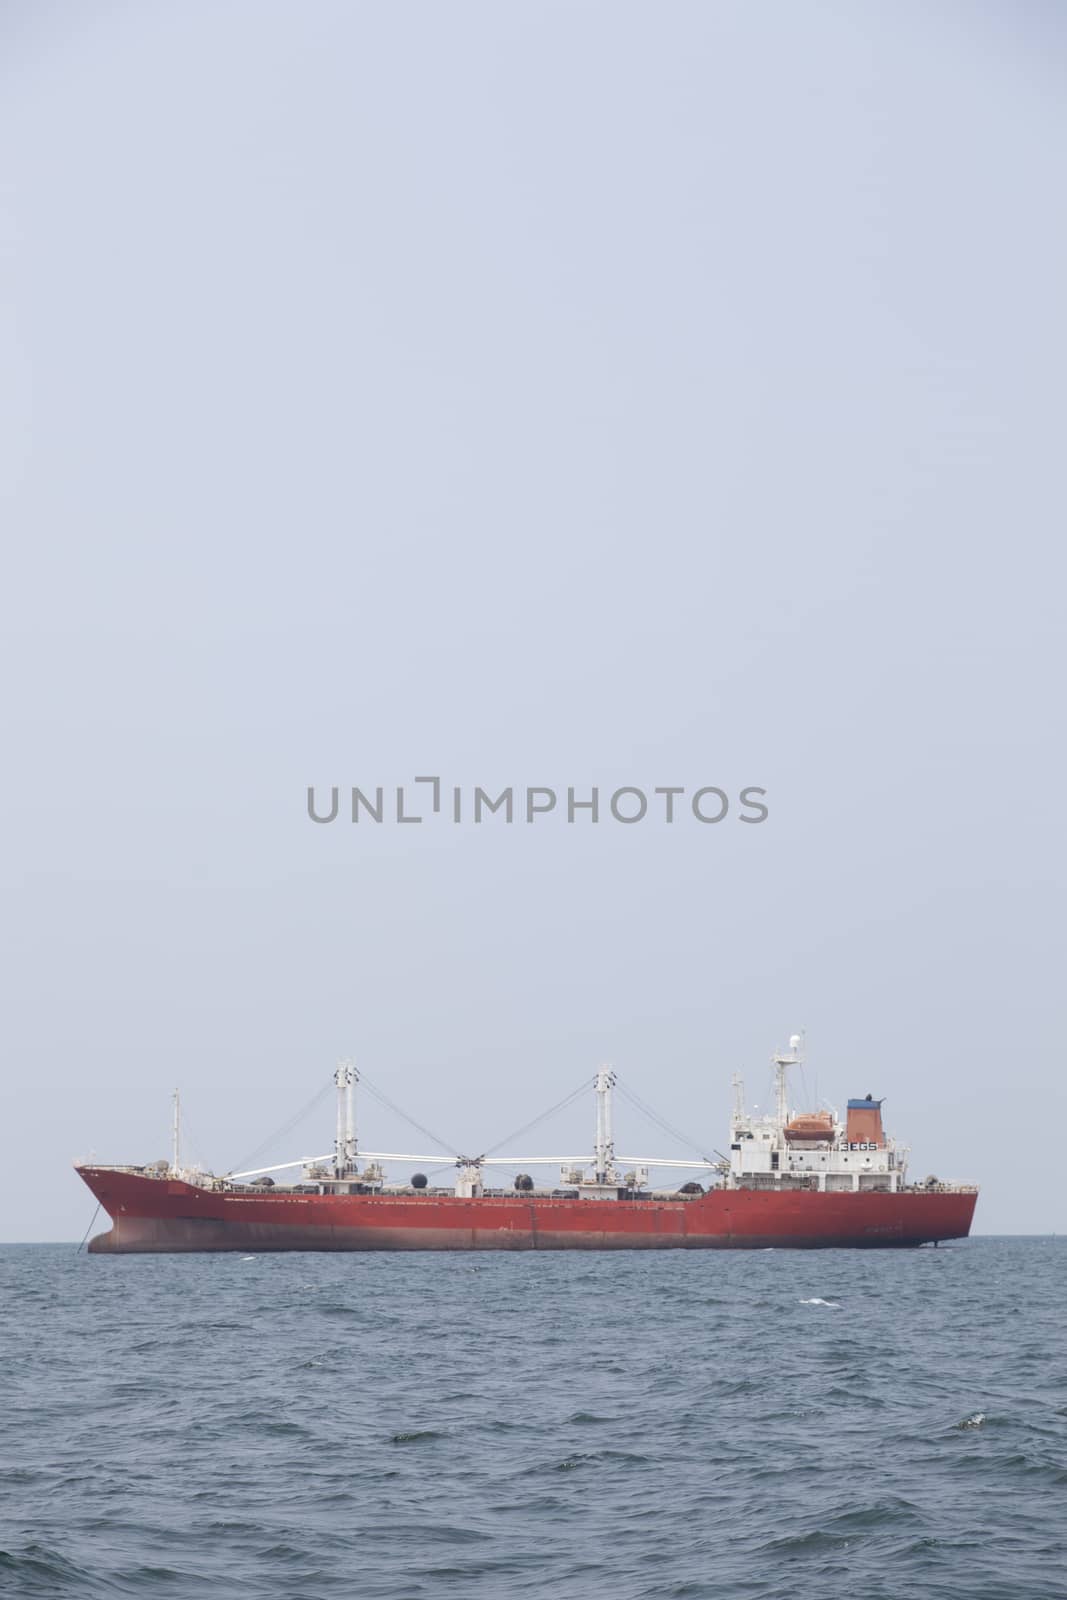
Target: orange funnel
{"x": 864, "y": 1125}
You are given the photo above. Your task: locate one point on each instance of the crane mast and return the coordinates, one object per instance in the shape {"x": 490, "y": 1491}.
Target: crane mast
{"x": 346, "y": 1077}
{"x": 604, "y": 1148}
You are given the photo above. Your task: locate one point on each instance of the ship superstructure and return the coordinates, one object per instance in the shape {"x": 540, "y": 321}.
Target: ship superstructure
{"x": 790, "y": 1178}
{"x": 789, "y": 1150}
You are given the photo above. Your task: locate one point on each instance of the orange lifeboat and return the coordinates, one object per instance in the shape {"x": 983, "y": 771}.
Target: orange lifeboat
{"x": 810, "y": 1127}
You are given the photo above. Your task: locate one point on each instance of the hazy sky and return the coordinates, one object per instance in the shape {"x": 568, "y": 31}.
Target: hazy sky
{"x": 554, "y": 394}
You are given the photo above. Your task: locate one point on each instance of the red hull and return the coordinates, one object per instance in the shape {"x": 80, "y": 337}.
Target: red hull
{"x": 161, "y": 1214}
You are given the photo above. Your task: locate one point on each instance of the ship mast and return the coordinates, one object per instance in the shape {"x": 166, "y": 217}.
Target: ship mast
{"x": 176, "y": 1134}
{"x": 782, "y": 1063}
{"x": 739, "y": 1099}
{"x": 346, "y": 1077}
{"x": 604, "y": 1152}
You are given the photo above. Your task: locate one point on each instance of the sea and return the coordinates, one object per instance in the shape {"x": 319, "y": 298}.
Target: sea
{"x": 670, "y": 1425}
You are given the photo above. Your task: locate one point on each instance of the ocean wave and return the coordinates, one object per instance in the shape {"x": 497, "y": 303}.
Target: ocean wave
{"x": 652, "y": 1427}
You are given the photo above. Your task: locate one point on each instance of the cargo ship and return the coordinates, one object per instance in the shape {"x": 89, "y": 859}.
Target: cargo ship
{"x": 791, "y": 1179}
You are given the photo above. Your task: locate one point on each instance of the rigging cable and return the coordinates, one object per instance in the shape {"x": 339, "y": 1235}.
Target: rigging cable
{"x": 192, "y": 1144}
{"x": 662, "y": 1123}
{"x": 365, "y": 1083}
{"x": 526, "y": 1128}
{"x": 280, "y": 1133}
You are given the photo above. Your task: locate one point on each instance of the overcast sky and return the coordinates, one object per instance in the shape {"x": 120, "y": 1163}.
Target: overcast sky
{"x": 558, "y": 394}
